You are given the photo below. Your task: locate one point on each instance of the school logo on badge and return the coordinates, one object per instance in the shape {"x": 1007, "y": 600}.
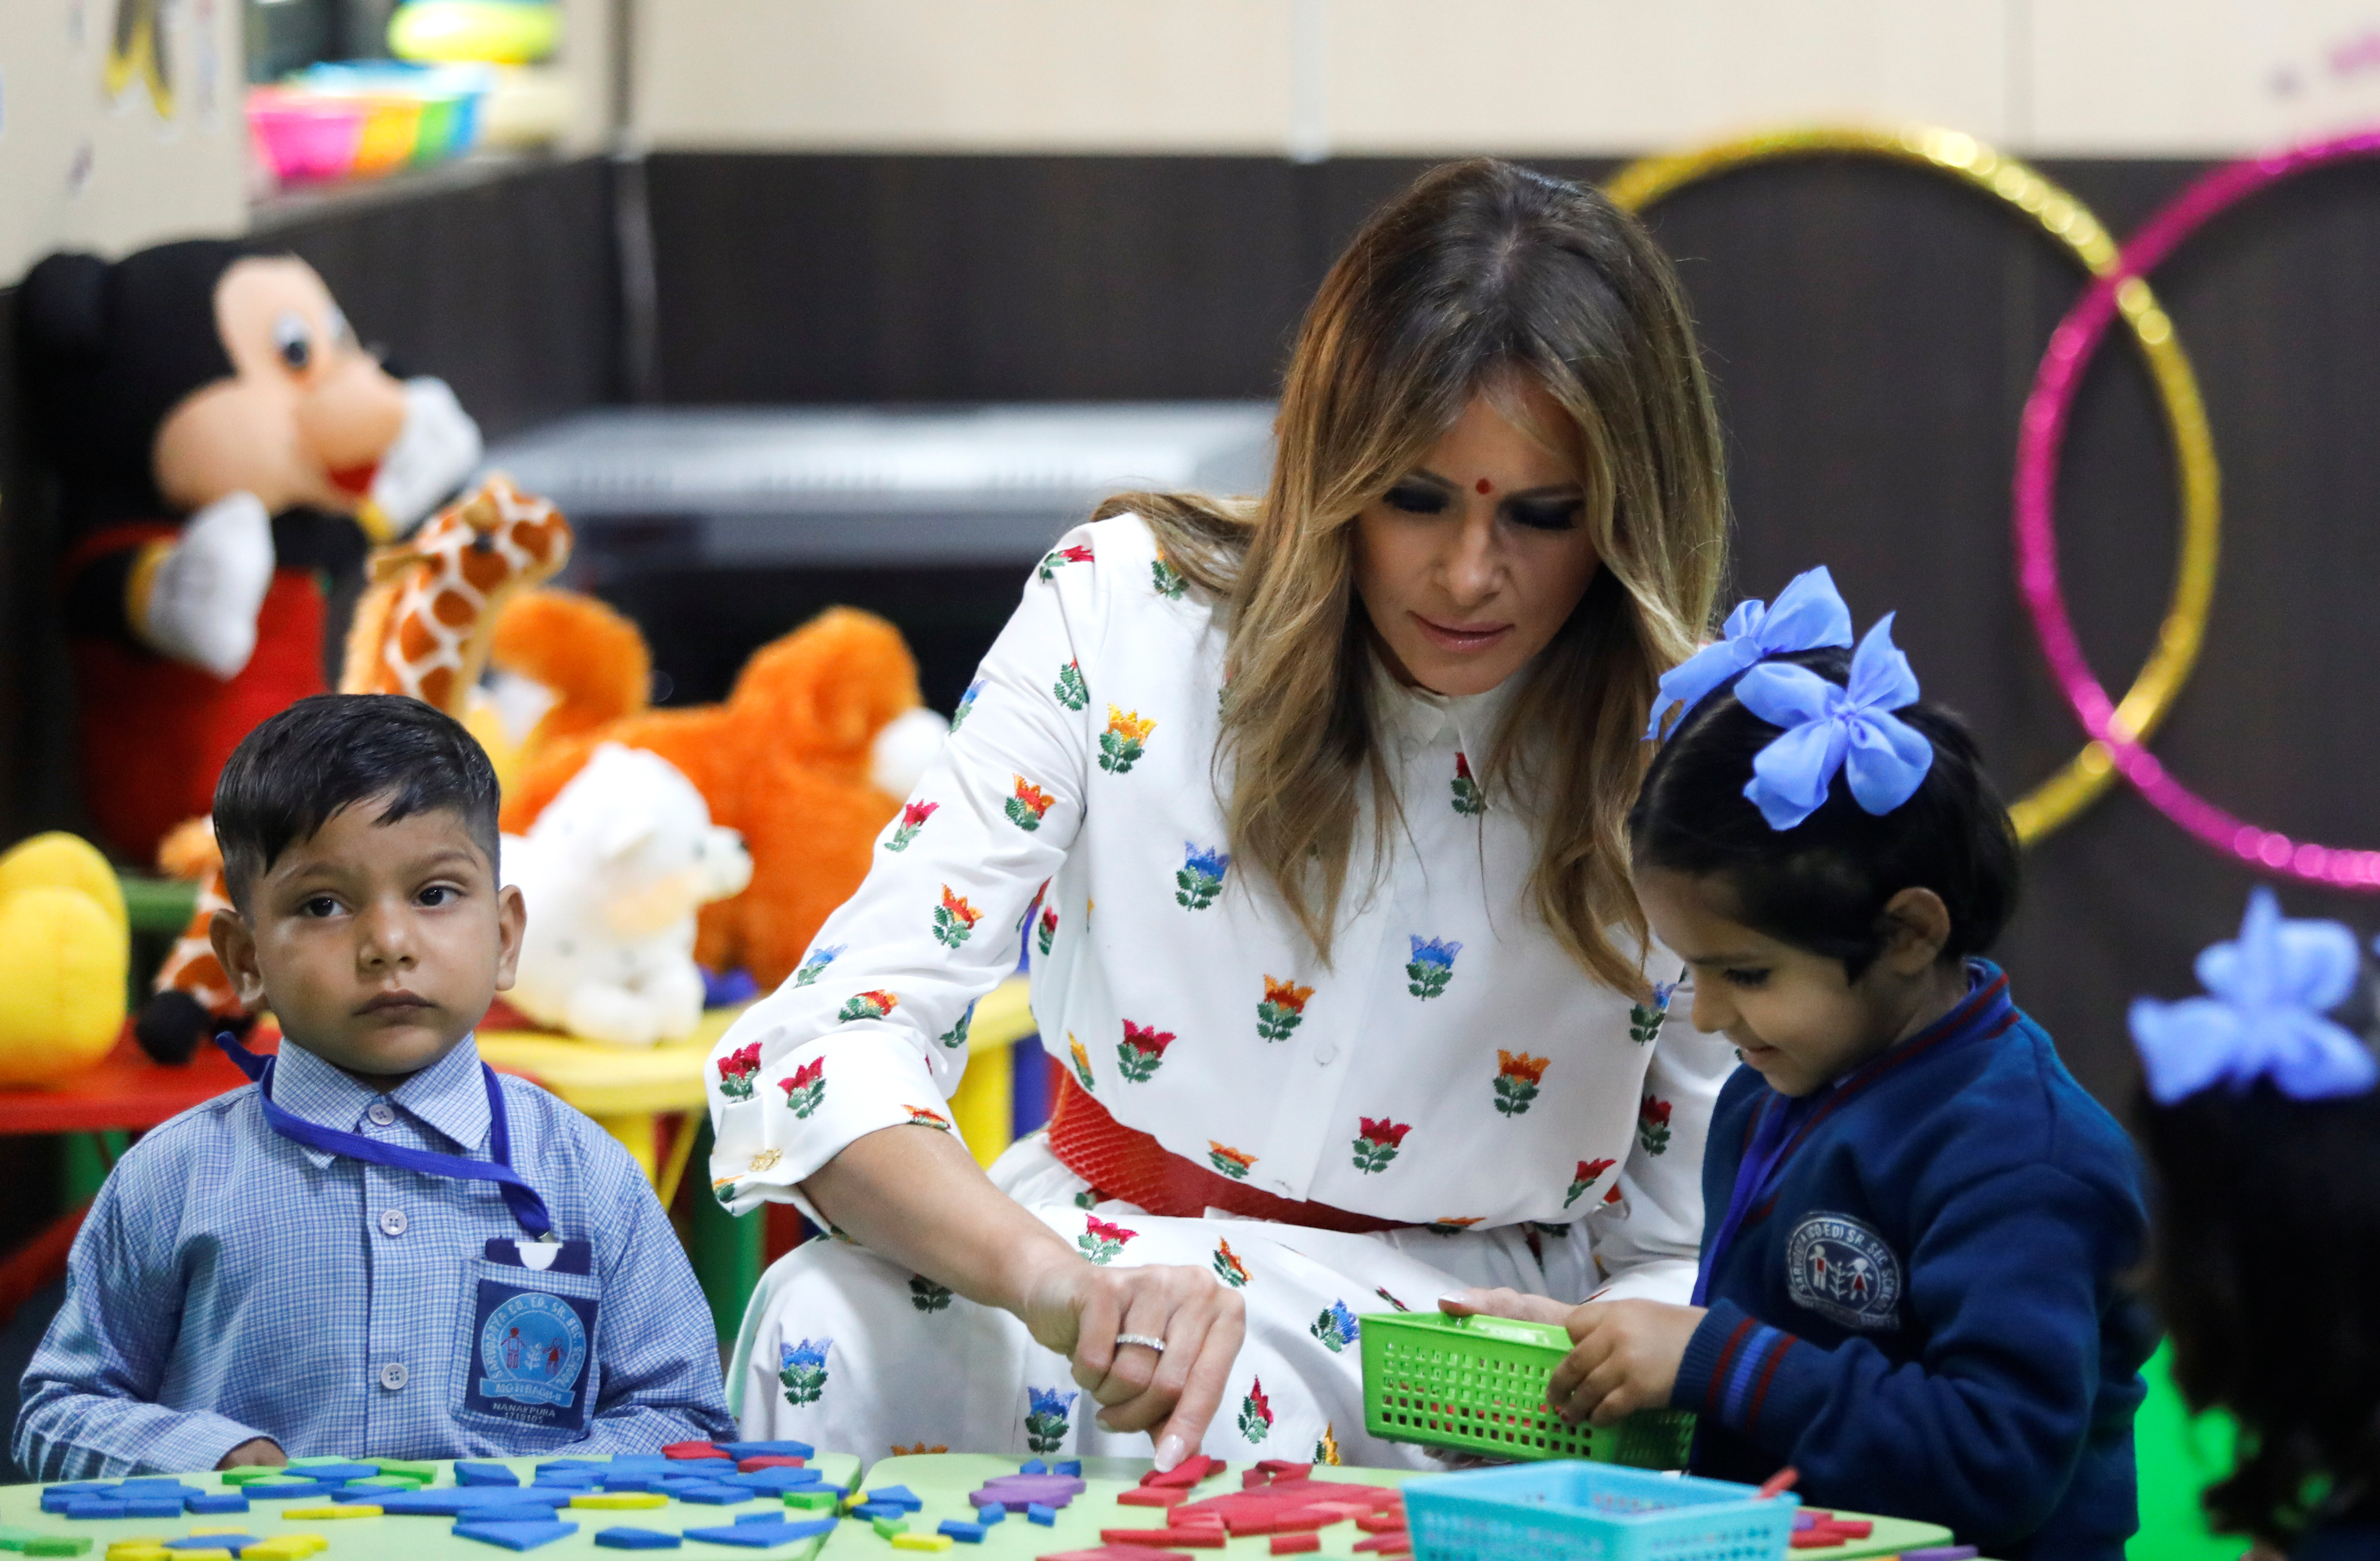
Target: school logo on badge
{"x": 532, "y": 1349}
{"x": 1842, "y": 1270}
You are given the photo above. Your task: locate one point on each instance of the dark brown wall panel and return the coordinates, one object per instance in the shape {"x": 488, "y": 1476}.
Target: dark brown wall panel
{"x": 507, "y": 289}
{"x": 973, "y": 278}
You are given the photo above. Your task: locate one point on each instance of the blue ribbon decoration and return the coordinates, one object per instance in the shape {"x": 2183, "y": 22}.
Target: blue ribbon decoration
{"x": 1829, "y": 728}
{"x": 518, "y": 1195}
{"x": 2266, "y": 1017}
{"x": 1809, "y": 615}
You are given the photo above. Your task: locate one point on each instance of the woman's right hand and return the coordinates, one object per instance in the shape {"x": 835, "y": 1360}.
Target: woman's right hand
{"x": 1078, "y": 1309}
{"x": 916, "y": 1197}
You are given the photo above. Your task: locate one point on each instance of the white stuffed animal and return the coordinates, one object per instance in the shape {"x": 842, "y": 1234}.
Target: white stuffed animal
{"x": 614, "y": 871}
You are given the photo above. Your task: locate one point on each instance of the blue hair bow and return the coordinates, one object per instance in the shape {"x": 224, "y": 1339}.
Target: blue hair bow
{"x": 1809, "y": 615}
{"x": 1829, "y": 728}
{"x": 2271, "y": 989}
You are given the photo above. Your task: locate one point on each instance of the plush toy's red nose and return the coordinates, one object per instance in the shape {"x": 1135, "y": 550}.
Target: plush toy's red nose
{"x": 356, "y": 480}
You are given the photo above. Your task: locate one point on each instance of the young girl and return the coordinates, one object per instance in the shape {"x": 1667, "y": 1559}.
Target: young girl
{"x": 2263, "y": 1128}
{"x": 1915, "y": 1222}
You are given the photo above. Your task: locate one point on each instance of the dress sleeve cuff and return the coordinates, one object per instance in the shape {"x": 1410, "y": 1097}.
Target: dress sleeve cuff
{"x": 1729, "y": 1365}
{"x": 812, "y": 1103}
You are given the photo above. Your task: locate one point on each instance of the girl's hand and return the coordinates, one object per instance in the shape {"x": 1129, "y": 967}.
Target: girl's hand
{"x": 1078, "y": 1307}
{"x": 1516, "y": 1304}
{"x": 1625, "y": 1359}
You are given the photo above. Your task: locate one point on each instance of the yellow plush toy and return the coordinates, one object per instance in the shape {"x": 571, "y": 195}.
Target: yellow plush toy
{"x": 65, "y": 948}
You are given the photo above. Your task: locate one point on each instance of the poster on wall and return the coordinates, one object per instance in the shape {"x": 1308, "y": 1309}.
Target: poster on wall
{"x": 139, "y": 53}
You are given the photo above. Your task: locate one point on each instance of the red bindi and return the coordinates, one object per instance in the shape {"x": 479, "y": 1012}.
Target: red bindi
{"x": 1484, "y": 485}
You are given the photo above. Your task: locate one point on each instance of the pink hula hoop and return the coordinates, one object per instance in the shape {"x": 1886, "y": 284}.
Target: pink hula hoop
{"x": 2040, "y": 440}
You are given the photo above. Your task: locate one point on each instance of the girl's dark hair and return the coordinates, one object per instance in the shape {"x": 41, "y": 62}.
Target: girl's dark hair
{"x": 1823, "y": 884}
{"x": 2266, "y": 1269}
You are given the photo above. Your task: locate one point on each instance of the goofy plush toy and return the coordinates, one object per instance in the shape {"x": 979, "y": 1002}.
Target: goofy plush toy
{"x": 224, "y": 447}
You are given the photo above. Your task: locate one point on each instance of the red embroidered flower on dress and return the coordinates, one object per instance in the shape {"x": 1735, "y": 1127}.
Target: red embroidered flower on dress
{"x": 1142, "y": 1051}
{"x": 1379, "y": 1141}
{"x": 1653, "y": 1125}
{"x": 1589, "y": 1172}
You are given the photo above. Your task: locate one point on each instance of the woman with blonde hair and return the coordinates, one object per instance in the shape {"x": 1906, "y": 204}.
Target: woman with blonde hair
{"x": 1312, "y": 809}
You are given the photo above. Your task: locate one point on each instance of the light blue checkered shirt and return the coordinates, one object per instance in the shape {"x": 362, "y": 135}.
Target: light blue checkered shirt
{"x": 230, "y": 1283}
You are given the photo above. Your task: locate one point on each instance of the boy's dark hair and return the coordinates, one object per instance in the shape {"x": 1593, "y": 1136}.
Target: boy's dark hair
{"x": 1823, "y": 884}
{"x": 333, "y": 751}
{"x": 2266, "y": 1270}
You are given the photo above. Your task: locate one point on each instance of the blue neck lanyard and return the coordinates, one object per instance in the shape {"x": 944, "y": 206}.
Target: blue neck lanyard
{"x": 518, "y": 1195}
{"x": 1779, "y": 1118}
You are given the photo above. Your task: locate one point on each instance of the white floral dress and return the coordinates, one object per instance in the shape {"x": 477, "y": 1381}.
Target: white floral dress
{"x": 1453, "y": 1069}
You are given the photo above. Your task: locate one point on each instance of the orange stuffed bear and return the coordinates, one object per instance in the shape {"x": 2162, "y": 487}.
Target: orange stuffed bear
{"x": 786, "y": 760}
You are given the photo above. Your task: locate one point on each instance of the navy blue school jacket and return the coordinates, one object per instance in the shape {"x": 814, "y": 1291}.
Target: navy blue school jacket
{"x": 1927, "y": 1316}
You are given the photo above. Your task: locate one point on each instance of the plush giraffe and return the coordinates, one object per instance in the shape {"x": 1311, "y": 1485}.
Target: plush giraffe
{"x": 424, "y": 624}
{"x": 423, "y": 629}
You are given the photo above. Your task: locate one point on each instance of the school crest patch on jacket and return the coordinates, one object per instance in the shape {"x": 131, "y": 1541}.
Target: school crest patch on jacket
{"x": 1843, "y": 1270}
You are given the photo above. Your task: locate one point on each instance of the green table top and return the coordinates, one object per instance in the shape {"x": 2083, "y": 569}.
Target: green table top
{"x": 943, "y": 1481}
{"x": 409, "y": 1538}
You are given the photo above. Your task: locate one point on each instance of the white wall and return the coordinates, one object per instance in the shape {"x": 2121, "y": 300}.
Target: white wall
{"x": 2180, "y": 77}
{"x": 79, "y": 169}
{"x": 2139, "y": 78}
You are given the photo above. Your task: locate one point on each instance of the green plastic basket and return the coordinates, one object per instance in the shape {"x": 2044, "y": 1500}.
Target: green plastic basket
{"x": 1478, "y": 1384}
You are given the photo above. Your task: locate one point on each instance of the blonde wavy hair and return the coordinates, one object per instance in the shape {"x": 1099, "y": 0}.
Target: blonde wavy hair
{"x": 1480, "y": 275}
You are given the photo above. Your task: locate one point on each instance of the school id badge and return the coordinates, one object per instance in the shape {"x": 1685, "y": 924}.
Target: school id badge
{"x": 529, "y": 1355}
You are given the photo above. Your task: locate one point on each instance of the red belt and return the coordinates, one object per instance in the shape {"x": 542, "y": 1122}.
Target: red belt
{"x": 1125, "y": 1163}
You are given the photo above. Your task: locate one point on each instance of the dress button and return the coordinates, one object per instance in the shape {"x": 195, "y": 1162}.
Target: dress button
{"x": 380, "y": 1113}
{"x": 392, "y": 1222}
{"x": 1326, "y": 1054}
{"x": 391, "y": 1376}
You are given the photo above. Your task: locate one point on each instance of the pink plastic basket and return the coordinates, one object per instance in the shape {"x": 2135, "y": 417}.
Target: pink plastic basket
{"x": 302, "y": 137}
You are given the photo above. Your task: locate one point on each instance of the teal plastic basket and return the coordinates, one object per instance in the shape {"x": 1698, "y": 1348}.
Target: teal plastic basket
{"x": 1478, "y": 1384}
{"x": 1573, "y": 1511}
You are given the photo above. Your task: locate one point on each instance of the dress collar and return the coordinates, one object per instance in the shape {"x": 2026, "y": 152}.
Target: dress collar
{"x": 448, "y": 1096}
{"x": 1417, "y": 717}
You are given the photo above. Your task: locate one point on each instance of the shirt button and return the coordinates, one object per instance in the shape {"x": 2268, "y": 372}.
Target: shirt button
{"x": 380, "y": 1113}
{"x": 391, "y": 1376}
{"x": 1326, "y": 1054}
{"x": 392, "y": 1222}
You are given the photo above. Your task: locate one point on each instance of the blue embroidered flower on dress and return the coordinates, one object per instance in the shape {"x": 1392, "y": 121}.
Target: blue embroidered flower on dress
{"x": 1432, "y": 965}
{"x": 1201, "y": 877}
{"x": 814, "y": 963}
{"x": 802, "y": 1368}
{"x": 1045, "y": 1418}
{"x": 966, "y": 705}
{"x": 1336, "y": 1327}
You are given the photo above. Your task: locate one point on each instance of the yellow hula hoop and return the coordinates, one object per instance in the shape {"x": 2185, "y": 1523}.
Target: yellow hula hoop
{"x": 2070, "y": 224}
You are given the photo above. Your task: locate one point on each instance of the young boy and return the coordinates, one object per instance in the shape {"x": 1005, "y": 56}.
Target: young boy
{"x": 337, "y": 1261}
{"x": 1916, "y": 1225}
